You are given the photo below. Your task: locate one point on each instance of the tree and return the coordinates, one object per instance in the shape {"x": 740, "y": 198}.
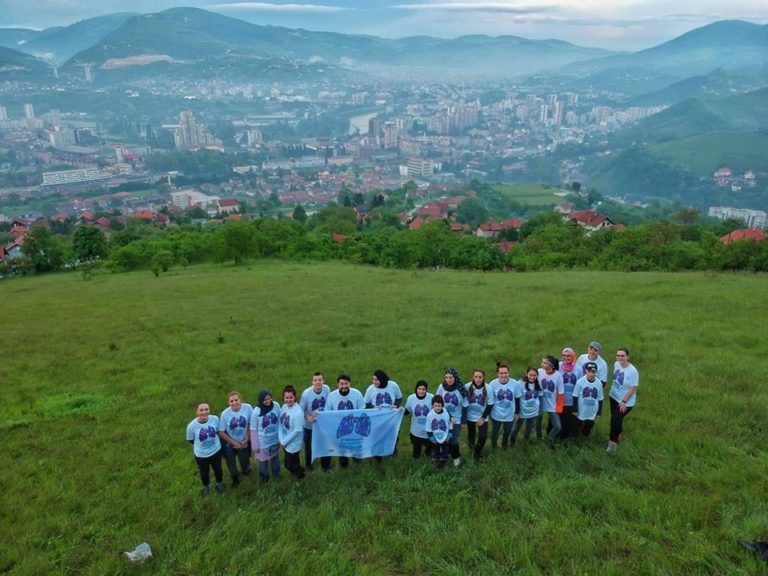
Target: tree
{"x": 42, "y": 249}
{"x": 238, "y": 241}
{"x": 299, "y": 214}
{"x": 471, "y": 212}
{"x": 89, "y": 243}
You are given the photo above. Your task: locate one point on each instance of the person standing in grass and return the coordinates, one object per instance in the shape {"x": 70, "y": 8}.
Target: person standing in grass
{"x": 479, "y": 405}
{"x": 202, "y": 434}
{"x": 588, "y": 399}
{"x": 570, "y": 424}
{"x": 438, "y": 428}
{"x": 623, "y": 395}
{"x": 264, "y": 437}
{"x": 503, "y": 412}
{"x": 551, "y": 382}
{"x": 418, "y": 406}
{"x": 383, "y": 393}
{"x": 593, "y": 355}
{"x": 313, "y": 400}
{"x": 528, "y": 404}
{"x": 344, "y": 398}
{"x": 290, "y": 431}
{"x": 454, "y": 397}
{"x": 233, "y": 431}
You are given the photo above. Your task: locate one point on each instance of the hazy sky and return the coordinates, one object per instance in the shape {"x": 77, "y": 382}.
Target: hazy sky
{"x": 613, "y": 24}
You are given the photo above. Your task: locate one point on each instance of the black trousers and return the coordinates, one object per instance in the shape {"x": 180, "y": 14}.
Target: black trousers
{"x": 205, "y": 464}
{"x": 325, "y": 461}
{"x": 420, "y": 444}
{"x": 232, "y": 456}
{"x": 477, "y": 437}
{"x": 617, "y": 420}
{"x": 293, "y": 464}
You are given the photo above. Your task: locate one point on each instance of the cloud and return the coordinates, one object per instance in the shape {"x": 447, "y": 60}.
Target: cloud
{"x": 270, "y": 7}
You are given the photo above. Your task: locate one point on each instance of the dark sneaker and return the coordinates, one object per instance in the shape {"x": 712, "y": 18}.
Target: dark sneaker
{"x": 219, "y": 487}
{"x": 206, "y": 490}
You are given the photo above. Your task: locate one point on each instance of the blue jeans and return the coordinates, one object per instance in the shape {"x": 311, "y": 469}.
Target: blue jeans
{"x": 264, "y": 468}
{"x": 232, "y": 456}
{"x": 554, "y": 420}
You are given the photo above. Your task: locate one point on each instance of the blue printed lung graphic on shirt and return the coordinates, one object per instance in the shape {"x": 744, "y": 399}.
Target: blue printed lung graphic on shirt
{"x": 476, "y": 398}
{"x": 589, "y": 395}
{"x": 452, "y": 403}
{"x": 618, "y": 377}
{"x": 206, "y": 433}
{"x": 548, "y": 386}
{"x": 268, "y": 420}
{"x": 318, "y": 404}
{"x": 420, "y": 410}
{"x": 530, "y": 394}
{"x": 345, "y": 405}
{"x": 360, "y": 425}
{"x": 238, "y": 422}
{"x": 505, "y": 395}
{"x": 285, "y": 420}
{"x": 439, "y": 424}
{"x": 383, "y": 399}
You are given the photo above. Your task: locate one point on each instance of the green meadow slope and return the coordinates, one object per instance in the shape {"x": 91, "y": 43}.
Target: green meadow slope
{"x": 101, "y": 377}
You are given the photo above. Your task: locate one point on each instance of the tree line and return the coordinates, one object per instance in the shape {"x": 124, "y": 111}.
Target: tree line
{"x": 546, "y": 242}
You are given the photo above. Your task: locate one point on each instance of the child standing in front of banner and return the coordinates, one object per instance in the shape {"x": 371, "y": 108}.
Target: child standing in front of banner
{"x": 290, "y": 431}
{"x": 438, "y": 428}
{"x": 201, "y": 433}
{"x": 264, "y": 437}
{"x": 418, "y": 405}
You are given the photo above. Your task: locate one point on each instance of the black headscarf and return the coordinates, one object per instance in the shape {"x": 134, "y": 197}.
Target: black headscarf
{"x": 262, "y": 408}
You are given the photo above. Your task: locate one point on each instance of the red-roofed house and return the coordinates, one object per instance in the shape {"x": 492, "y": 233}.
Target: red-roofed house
{"x": 416, "y": 224}
{"x": 590, "y": 219}
{"x": 338, "y": 238}
{"x": 228, "y": 205}
{"x": 86, "y": 216}
{"x": 144, "y": 215}
{"x": 744, "y": 234}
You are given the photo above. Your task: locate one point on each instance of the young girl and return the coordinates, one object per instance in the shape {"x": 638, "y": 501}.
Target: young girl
{"x": 438, "y": 428}
{"x": 503, "y": 413}
{"x": 290, "y": 431}
{"x": 233, "y": 431}
{"x": 529, "y": 403}
{"x": 201, "y": 433}
{"x": 454, "y": 396}
{"x": 570, "y": 424}
{"x": 551, "y": 382}
{"x": 418, "y": 406}
{"x": 479, "y": 405}
{"x": 264, "y": 439}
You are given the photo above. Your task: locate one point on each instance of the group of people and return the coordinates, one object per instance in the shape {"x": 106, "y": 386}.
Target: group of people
{"x": 570, "y": 391}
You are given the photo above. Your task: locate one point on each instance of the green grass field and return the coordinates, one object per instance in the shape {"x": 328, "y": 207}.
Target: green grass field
{"x": 101, "y": 377}
{"x": 533, "y": 194}
{"x": 708, "y": 152}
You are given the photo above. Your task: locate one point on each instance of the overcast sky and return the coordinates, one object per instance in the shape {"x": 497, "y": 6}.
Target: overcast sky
{"x": 612, "y": 24}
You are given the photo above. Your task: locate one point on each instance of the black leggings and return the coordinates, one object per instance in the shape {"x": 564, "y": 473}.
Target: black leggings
{"x": 204, "y": 465}
{"x": 617, "y": 420}
{"x": 420, "y": 444}
{"x": 481, "y": 432}
{"x": 293, "y": 464}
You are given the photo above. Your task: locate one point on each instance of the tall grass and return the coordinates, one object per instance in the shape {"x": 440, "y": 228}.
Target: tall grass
{"x": 101, "y": 377}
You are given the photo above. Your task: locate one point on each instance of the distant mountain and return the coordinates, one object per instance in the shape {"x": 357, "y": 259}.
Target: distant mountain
{"x": 18, "y": 65}
{"x": 682, "y": 120}
{"x": 192, "y": 35}
{"x": 726, "y": 45}
{"x": 63, "y": 43}
{"x": 719, "y": 83}
{"x": 13, "y": 37}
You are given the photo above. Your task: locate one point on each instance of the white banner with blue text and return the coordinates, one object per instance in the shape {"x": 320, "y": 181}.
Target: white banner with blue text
{"x": 356, "y": 433}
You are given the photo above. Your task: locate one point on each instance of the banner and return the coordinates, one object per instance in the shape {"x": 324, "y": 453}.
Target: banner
{"x": 356, "y": 433}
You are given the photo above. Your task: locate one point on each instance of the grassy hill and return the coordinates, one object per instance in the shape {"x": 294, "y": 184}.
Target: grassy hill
{"x": 101, "y": 377}
{"x": 534, "y": 194}
{"x": 705, "y": 153}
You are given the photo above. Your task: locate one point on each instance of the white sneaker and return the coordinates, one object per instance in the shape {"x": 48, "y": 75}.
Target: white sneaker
{"x": 457, "y": 461}
{"x": 611, "y": 447}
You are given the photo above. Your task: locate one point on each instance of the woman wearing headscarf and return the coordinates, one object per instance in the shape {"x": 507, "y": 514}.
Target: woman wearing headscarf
{"x": 264, "y": 439}
{"x": 570, "y": 424}
{"x": 454, "y": 396}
